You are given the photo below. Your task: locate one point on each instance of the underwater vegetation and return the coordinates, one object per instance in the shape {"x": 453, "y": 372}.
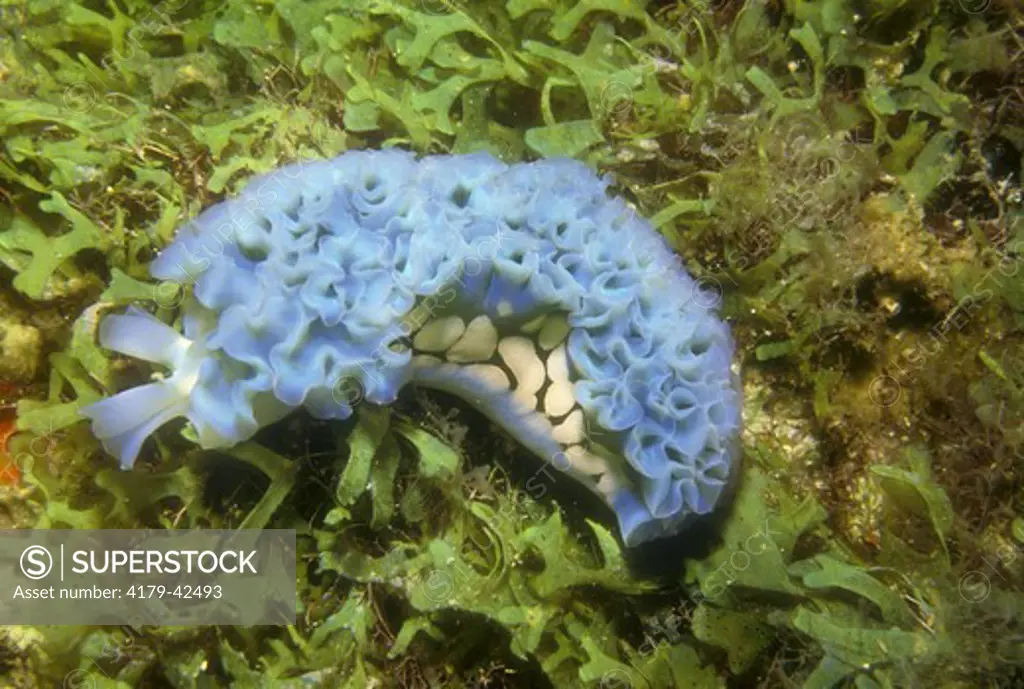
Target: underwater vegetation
{"x": 843, "y": 176}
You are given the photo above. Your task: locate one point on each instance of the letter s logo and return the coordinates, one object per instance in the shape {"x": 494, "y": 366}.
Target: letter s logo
{"x": 36, "y": 562}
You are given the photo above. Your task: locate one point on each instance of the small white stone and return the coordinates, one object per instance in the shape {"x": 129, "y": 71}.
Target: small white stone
{"x": 527, "y": 401}
{"x": 555, "y": 329}
{"x": 477, "y": 344}
{"x": 439, "y": 335}
{"x": 571, "y": 430}
{"x": 426, "y": 361}
{"x": 558, "y": 400}
{"x": 520, "y": 355}
{"x": 558, "y": 365}
{"x": 490, "y": 374}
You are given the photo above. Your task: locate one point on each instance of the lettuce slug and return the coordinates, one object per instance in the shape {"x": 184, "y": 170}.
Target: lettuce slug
{"x": 526, "y": 289}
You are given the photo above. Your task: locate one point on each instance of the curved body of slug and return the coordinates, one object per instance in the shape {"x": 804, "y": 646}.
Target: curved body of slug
{"x": 524, "y": 289}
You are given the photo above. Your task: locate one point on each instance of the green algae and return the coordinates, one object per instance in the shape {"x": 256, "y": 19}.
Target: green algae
{"x": 843, "y": 172}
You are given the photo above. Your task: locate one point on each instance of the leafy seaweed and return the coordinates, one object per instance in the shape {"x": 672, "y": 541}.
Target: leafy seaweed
{"x": 845, "y": 176}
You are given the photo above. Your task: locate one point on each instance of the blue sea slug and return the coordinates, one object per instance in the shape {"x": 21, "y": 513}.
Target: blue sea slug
{"x": 525, "y": 289}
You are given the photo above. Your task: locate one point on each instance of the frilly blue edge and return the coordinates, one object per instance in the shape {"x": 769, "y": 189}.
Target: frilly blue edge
{"x": 525, "y": 289}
